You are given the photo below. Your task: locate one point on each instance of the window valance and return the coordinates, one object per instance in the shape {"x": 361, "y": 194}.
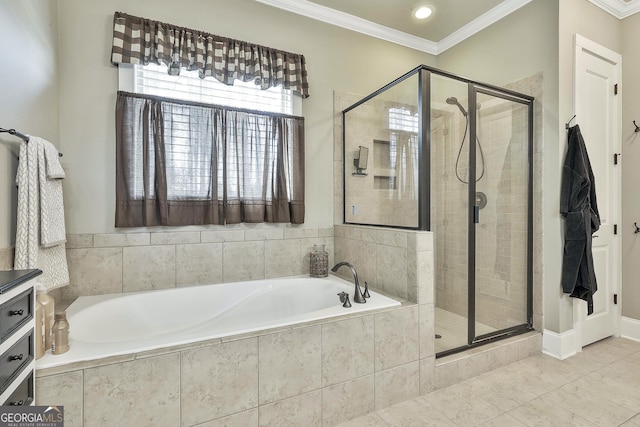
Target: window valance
{"x": 141, "y": 41}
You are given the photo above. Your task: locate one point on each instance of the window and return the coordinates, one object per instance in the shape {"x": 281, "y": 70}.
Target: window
{"x": 196, "y": 151}
{"x": 153, "y": 79}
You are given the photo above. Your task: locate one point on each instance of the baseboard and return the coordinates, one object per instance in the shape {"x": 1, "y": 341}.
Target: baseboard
{"x": 560, "y": 346}
{"x": 630, "y": 328}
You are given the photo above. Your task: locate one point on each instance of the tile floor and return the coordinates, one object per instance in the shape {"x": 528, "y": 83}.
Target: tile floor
{"x": 598, "y": 387}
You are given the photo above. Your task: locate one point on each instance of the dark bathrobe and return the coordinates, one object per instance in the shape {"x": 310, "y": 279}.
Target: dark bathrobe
{"x": 579, "y": 208}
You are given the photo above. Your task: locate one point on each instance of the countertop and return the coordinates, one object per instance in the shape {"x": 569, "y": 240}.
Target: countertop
{"x": 12, "y": 278}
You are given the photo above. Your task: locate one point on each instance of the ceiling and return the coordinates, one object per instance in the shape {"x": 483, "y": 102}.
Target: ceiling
{"x": 452, "y": 21}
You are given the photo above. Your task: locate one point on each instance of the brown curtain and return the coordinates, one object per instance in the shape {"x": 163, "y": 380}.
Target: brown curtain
{"x": 182, "y": 163}
{"x": 141, "y": 41}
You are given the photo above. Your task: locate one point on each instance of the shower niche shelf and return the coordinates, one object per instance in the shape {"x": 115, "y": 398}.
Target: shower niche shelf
{"x": 382, "y": 182}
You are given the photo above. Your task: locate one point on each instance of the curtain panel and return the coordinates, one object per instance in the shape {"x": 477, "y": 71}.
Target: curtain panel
{"x": 141, "y": 41}
{"x": 182, "y": 163}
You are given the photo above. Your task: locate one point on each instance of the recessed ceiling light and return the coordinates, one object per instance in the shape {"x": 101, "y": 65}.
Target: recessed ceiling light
{"x": 423, "y": 12}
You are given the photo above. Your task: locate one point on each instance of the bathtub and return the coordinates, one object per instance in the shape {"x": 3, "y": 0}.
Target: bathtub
{"x": 110, "y": 325}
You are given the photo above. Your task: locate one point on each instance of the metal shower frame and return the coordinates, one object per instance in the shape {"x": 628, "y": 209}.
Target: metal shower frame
{"x": 424, "y": 192}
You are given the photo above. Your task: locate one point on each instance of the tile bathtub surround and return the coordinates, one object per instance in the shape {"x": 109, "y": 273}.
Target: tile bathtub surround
{"x": 324, "y": 372}
{"x": 129, "y": 262}
{"x": 314, "y": 369}
{"x": 398, "y": 262}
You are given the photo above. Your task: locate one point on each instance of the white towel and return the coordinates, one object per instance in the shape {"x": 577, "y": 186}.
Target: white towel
{"x": 50, "y": 175}
{"x": 30, "y": 253}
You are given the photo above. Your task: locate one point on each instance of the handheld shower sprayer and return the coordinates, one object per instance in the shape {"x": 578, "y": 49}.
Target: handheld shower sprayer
{"x": 452, "y": 100}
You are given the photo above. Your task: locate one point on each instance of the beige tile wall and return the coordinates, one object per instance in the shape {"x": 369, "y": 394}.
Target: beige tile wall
{"x": 6, "y": 259}
{"x": 129, "y": 262}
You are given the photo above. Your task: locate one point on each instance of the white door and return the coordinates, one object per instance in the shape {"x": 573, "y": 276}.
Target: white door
{"x": 597, "y": 105}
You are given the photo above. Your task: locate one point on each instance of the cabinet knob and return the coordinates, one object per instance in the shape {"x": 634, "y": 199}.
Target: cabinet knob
{"x": 16, "y": 312}
{"x": 16, "y": 357}
{"x": 17, "y": 403}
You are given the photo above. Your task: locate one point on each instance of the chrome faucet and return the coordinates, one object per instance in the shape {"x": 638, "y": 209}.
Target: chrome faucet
{"x": 357, "y": 295}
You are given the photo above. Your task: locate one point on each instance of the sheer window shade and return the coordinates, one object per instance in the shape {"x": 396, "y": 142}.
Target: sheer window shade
{"x": 183, "y": 163}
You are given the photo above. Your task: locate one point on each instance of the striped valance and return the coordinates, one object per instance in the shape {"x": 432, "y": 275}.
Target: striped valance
{"x": 141, "y": 41}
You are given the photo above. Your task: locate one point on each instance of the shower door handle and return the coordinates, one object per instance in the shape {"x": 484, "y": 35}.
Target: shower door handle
{"x": 476, "y": 214}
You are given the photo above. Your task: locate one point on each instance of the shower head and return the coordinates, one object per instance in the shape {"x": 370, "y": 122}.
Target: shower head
{"x": 452, "y": 100}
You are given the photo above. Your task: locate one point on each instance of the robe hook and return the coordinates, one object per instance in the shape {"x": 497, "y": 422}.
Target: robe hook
{"x": 635, "y": 224}
{"x": 566, "y": 125}
{"x": 637, "y": 127}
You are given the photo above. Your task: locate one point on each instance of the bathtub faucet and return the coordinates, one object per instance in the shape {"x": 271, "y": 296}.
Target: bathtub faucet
{"x": 357, "y": 295}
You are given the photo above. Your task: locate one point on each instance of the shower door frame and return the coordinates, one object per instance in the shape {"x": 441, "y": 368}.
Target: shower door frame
{"x": 424, "y": 196}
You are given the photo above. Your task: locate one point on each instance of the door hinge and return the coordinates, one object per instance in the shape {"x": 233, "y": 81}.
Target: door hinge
{"x": 615, "y": 89}
{"x": 615, "y": 228}
{"x": 615, "y": 299}
{"x": 615, "y": 158}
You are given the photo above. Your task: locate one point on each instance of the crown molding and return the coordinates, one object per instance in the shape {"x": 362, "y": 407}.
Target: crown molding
{"x": 354, "y": 23}
{"x": 618, "y": 8}
{"x": 480, "y": 23}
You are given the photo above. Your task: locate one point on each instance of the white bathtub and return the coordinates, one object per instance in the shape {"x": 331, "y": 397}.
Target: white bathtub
{"x": 116, "y": 324}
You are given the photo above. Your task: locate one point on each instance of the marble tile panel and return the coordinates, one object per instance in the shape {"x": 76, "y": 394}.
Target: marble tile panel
{"x": 283, "y": 258}
{"x": 347, "y": 400}
{"x": 78, "y": 241}
{"x": 504, "y": 420}
{"x": 218, "y": 381}
{"x": 198, "y": 264}
{"x": 326, "y": 232}
{"x": 503, "y": 355}
{"x": 242, "y": 261}
{"x": 289, "y": 364}
{"x": 396, "y": 338}
{"x": 427, "y": 330}
{"x": 64, "y": 390}
{"x": 120, "y": 239}
{"x": 119, "y": 386}
{"x": 541, "y": 413}
{"x": 6, "y": 259}
{"x": 427, "y": 375}
{"x": 302, "y": 410}
{"x": 234, "y": 235}
{"x": 425, "y": 277}
{"x": 370, "y": 420}
{"x": 175, "y": 237}
{"x": 530, "y": 347}
{"x": 300, "y": 232}
{"x": 397, "y": 384}
{"x": 347, "y": 349}
{"x": 473, "y": 365}
{"x": 241, "y": 419}
{"x": 446, "y": 374}
{"x": 148, "y": 267}
{"x": 596, "y": 406}
{"x": 264, "y": 234}
{"x": 414, "y": 412}
{"x": 93, "y": 271}
{"x": 499, "y": 389}
{"x": 391, "y": 270}
{"x": 459, "y": 404}
{"x": 395, "y": 238}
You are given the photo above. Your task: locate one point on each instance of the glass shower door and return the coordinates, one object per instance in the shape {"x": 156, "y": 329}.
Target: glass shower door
{"x": 501, "y": 196}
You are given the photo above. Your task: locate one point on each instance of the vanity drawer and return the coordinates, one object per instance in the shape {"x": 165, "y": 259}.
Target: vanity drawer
{"x": 15, "y": 313}
{"x": 15, "y": 359}
{"x": 23, "y": 394}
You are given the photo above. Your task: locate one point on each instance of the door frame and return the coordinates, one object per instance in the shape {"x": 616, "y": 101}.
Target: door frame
{"x": 581, "y": 43}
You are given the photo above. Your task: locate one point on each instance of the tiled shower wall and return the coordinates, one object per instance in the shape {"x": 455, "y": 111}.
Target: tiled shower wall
{"x": 388, "y": 194}
{"x": 129, "y": 262}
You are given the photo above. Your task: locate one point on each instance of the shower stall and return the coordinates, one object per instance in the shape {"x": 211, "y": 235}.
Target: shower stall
{"x": 439, "y": 152}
